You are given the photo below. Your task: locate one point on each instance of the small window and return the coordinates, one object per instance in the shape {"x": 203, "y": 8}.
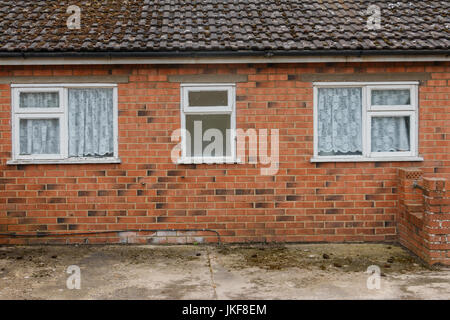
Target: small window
{"x": 391, "y": 98}
{"x": 357, "y": 121}
{"x": 39, "y": 136}
{"x": 39, "y": 99}
{"x": 208, "y": 98}
{"x": 74, "y": 123}
{"x": 208, "y": 123}
{"x": 391, "y": 134}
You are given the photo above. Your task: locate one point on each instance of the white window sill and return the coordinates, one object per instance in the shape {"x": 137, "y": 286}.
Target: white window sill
{"x": 360, "y": 159}
{"x": 200, "y": 160}
{"x": 64, "y": 161}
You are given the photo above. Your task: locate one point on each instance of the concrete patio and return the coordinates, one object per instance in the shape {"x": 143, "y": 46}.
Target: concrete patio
{"x": 293, "y": 271}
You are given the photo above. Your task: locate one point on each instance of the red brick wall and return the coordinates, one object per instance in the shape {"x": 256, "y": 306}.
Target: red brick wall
{"x": 303, "y": 202}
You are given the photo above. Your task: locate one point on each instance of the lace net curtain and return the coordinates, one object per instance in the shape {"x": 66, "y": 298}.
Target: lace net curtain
{"x": 340, "y": 129}
{"x": 90, "y": 127}
{"x": 390, "y": 134}
{"x": 91, "y": 123}
{"x": 340, "y": 122}
{"x": 39, "y": 99}
{"x": 390, "y": 97}
{"x": 39, "y": 136}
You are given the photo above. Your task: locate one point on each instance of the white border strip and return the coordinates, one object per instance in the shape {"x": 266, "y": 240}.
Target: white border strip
{"x": 64, "y": 85}
{"x": 219, "y": 60}
{"x": 364, "y": 83}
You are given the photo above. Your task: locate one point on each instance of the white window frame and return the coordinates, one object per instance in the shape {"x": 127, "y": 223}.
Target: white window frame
{"x": 16, "y": 97}
{"x": 412, "y": 136}
{"x": 413, "y": 97}
{"x": 230, "y": 109}
{"x": 60, "y": 113}
{"x": 209, "y": 109}
{"x": 369, "y": 111}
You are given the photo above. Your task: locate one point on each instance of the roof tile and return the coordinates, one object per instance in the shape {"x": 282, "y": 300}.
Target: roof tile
{"x": 211, "y": 25}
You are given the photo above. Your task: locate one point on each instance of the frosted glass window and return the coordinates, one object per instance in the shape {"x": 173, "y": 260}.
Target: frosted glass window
{"x": 340, "y": 121}
{"x": 208, "y": 98}
{"x": 91, "y": 127}
{"x": 390, "y": 134}
{"x": 39, "y": 100}
{"x": 391, "y": 97}
{"x": 39, "y": 136}
{"x": 220, "y": 122}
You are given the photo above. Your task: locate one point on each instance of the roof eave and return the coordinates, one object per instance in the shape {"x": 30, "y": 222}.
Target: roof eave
{"x": 217, "y": 54}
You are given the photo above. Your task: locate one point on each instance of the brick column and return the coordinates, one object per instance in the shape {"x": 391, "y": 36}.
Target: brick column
{"x": 410, "y": 198}
{"x": 437, "y": 220}
{"x": 410, "y": 212}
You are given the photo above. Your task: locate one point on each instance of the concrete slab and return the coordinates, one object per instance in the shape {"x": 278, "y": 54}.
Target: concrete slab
{"x": 292, "y": 271}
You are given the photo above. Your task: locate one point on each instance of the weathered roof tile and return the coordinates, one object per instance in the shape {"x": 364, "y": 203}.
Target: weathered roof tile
{"x": 222, "y": 25}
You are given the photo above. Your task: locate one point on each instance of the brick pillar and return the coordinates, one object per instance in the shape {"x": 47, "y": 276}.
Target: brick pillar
{"x": 409, "y": 198}
{"x": 410, "y": 212}
{"x": 437, "y": 220}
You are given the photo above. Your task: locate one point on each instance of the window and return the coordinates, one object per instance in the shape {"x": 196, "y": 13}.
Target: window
{"x": 365, "y": 122}
{"x": 64, "y": 123}
{"x": 208, "y": 123}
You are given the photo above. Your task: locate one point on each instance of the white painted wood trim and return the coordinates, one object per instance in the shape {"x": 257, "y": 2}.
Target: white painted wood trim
{"x": 223, "y": 60}
{"x": 364, "y": 124}
{"x": 316, "y": 121}
{"x": 65, "y": 137}
{"x": 209, "y": 160}
{"x": 207, "y": 86}
{"x": 64, "y": 161}
{"x": 362, "y": 159}
{"x": 364, "y": 83}
{"x": 63, "y": 85}
{"x": 116, "y": 121}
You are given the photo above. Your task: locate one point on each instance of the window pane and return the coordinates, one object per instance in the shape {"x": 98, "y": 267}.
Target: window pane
{"x": 391, "y": 97}
{"x": 91, "y": 127}
{"x": 39, "y": 136}
{"x": 390, "y": 134}
{"x": 39, "y": 100}
{"x": 208, "y": 98}
{"x": 217, "y": 138}
{"x": 340, "y": 121}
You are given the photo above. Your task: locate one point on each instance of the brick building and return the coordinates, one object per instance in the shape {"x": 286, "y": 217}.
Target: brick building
{"x": 351, "y": 120}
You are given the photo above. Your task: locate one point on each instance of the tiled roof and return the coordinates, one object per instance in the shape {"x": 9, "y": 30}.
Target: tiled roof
{"x": 222, "y": 25}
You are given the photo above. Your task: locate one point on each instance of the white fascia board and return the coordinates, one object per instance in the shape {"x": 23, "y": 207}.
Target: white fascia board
{"x": 221, "y": 60}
